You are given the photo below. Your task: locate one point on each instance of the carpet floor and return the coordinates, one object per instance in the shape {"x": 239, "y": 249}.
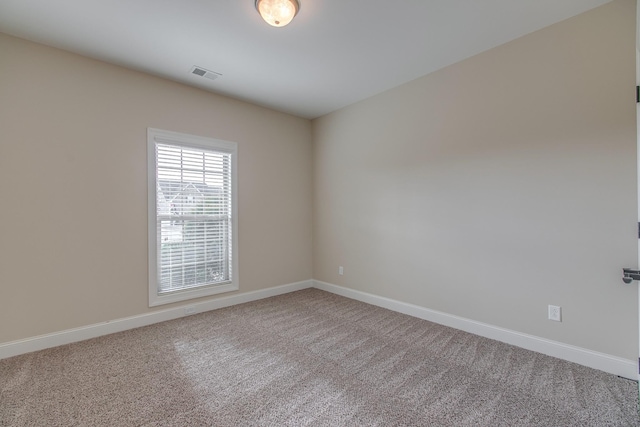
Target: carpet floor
{"x": 305, "y": 358}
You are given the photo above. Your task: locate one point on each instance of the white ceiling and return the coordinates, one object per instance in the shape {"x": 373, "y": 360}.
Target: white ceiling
{"x": 334, "y": 53}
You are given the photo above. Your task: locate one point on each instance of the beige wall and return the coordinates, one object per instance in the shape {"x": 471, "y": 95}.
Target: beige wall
{"x": 495, "y": 186}
{"x": 73, "y": 186}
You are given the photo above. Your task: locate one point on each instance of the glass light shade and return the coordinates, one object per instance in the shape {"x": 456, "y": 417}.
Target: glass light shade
{"x": 277, "y": 12}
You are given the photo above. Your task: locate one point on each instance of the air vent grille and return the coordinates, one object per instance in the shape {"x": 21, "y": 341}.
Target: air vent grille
{"x": 203, "y": 72}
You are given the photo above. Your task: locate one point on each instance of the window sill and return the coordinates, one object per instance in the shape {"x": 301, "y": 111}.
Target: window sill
{"x": 187, "y": 294}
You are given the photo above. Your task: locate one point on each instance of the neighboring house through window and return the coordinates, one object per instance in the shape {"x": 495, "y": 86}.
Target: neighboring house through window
{"x": 192, "y": 216}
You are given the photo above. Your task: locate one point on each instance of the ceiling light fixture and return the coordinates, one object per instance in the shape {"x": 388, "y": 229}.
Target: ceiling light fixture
{"x": 278, "y": 12}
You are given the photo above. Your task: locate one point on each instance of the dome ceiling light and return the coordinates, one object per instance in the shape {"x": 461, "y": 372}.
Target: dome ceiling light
{"x": 278, "y": 12}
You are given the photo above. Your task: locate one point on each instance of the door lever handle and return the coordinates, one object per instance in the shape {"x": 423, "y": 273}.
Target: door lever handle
{"x": 629, "y": 275}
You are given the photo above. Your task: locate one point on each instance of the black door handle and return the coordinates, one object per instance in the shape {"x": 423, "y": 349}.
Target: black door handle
{"x": 629, "y": 275}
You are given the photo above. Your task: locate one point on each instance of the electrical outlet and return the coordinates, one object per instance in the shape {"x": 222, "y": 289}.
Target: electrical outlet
{"x": 340, "y": 270}
{"x": 189, "y": 310}
{"x": 555, "y": 313}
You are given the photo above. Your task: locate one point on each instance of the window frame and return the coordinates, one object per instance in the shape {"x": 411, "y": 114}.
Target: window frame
{"x": 155, "y": 136}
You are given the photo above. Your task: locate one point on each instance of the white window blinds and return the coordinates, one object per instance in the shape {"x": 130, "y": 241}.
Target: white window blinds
{"x": 193, "y": 216}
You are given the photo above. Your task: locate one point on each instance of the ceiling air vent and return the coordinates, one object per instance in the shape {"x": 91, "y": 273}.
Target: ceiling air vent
{"x": 199, "y": 71}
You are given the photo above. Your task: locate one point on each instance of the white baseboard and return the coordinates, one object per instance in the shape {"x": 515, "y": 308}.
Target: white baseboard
{"x": 593, "y": 359}
{"x": 604, "y": 362}
{"x": 14, "y": 348}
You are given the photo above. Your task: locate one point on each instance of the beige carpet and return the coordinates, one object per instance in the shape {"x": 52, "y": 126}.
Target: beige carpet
{"x": 305, "y": 358}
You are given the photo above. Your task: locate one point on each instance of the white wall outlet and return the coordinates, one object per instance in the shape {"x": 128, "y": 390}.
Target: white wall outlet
{"x": 189, "y": 310}
{"x": 555, "y": 313}
{"x": 340, "y": 270}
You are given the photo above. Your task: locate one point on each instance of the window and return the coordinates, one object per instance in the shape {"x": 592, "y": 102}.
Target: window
{"x": 192, "y": 216}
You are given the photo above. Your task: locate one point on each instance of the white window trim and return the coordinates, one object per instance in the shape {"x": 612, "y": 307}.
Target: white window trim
{"x": 158, "y": 135}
